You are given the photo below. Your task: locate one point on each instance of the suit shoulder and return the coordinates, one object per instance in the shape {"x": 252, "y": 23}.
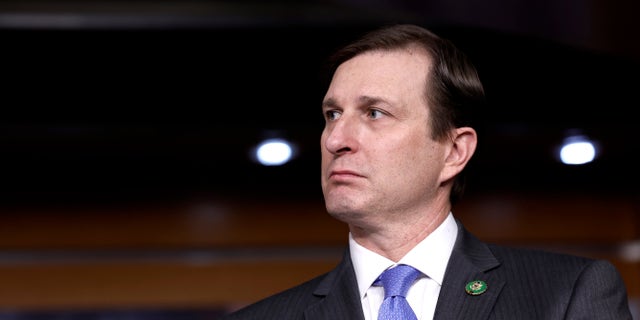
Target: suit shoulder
{"x": 287, "y": 304}
{"x": 571, "y": 285}
{"x": 508, "y": 255}
{"x": 548, "y": 264}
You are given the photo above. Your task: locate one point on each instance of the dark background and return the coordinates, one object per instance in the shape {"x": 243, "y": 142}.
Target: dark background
{"x": 124, "y": 101}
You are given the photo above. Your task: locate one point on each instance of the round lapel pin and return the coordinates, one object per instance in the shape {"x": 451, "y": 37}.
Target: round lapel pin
{"x": 476, "y": 287}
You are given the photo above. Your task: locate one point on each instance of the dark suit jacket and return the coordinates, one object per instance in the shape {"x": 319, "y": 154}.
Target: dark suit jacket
{"x": 522, "y": 284}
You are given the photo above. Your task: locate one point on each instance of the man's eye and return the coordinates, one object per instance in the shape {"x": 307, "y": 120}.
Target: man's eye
{"x": 332, "y": 114}
{"x": 375, "y": 114}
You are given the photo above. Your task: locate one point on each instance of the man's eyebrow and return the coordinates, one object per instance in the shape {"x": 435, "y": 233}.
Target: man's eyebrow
{"x": 369, "y": 100}
{"x": 362, "y": 101}
{"x": 329, "y": 103}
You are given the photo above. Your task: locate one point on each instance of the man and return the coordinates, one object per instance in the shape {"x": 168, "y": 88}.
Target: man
{"x": 396, "y": 140}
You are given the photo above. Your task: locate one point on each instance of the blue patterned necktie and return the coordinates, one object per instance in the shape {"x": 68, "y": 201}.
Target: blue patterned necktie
{"x": 396, "y": 282}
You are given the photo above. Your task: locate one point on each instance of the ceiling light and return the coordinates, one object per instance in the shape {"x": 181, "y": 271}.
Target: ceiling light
{"x": 577, "y": 150}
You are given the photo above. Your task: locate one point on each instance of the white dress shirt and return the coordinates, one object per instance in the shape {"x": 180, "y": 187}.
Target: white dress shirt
{"x": 430, "y": 256}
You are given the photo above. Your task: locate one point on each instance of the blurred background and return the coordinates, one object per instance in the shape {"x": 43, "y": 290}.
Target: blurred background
{"x": 130, "y": 187}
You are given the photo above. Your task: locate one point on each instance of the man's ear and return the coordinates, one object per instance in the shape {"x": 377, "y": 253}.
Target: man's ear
{"x": 462, "y": 145}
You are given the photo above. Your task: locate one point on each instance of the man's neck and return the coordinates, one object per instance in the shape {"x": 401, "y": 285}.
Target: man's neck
{"x": 397, "y": 238}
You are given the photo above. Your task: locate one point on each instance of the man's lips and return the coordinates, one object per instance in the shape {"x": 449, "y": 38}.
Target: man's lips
{"x": 343, "y": 174}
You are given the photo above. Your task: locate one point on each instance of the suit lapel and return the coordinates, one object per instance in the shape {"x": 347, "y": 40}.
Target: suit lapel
{"x": 340, "y": 292}
{"x": 470, "y": 260}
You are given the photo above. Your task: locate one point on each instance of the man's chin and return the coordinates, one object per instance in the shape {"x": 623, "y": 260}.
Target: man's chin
{"x": 345, "y": 213}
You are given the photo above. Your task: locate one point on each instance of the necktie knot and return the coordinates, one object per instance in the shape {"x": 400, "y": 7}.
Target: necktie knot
{"x": 396, "y": 281}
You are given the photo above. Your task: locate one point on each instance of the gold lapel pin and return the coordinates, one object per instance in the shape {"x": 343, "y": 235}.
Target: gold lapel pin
{"x": 476, "y": 287}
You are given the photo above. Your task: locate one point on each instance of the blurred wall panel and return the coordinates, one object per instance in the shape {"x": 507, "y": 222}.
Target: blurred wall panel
{"x": 211, "y": 253}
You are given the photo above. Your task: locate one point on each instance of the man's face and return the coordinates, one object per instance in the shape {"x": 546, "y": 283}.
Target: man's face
{"x": 378, "y": 158}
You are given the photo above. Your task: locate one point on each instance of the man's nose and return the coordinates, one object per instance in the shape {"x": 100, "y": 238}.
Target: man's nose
{"x": 342, "y": 136}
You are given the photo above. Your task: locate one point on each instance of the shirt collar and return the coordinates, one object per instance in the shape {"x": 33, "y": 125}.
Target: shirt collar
{"x": 430, "y": 256}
